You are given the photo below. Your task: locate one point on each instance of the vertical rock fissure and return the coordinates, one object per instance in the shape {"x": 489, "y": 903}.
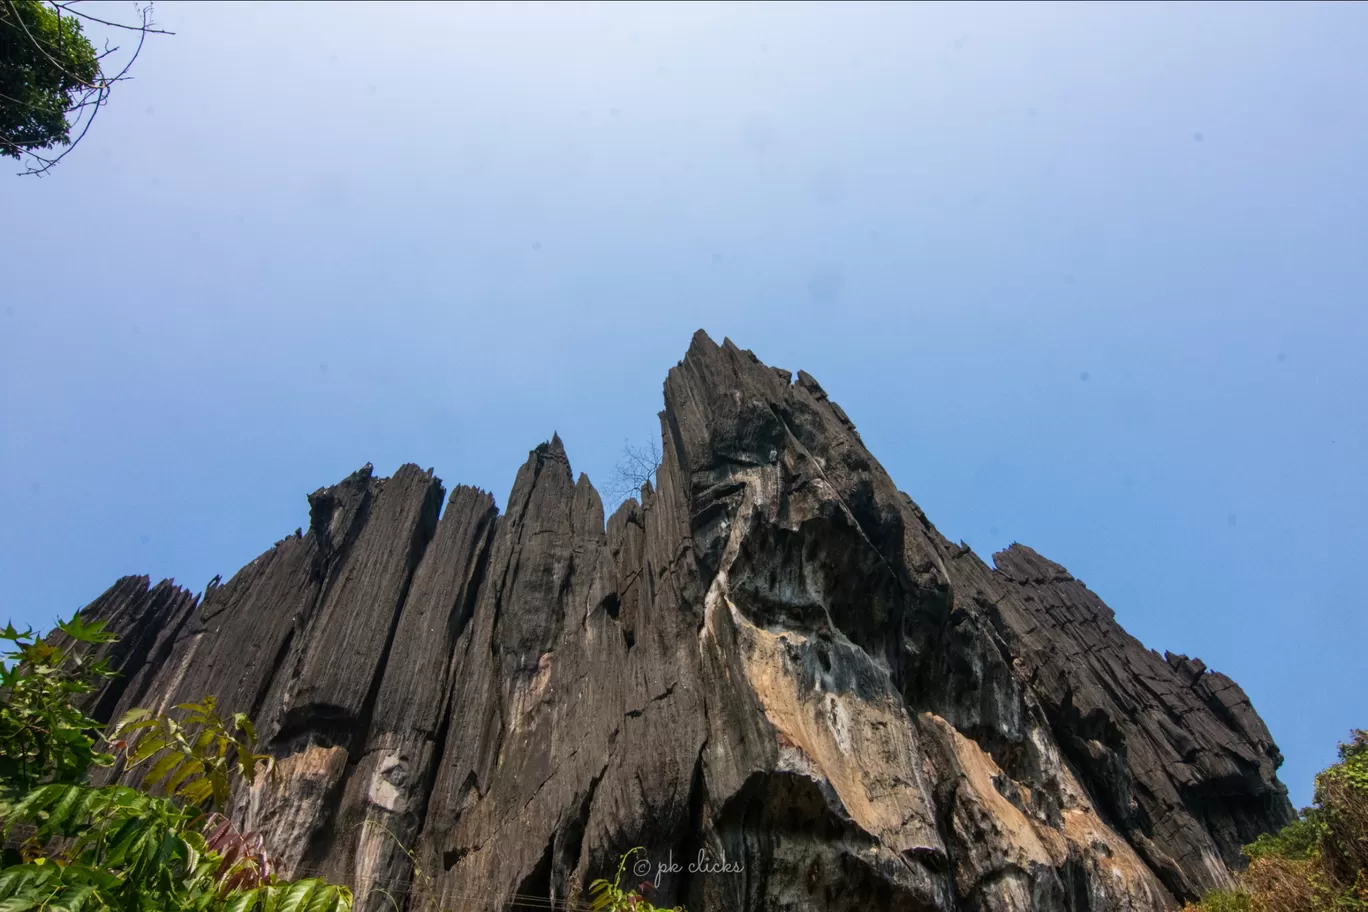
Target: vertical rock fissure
{"x": 422, "y": 537}
{"x": 695, "y": 840}
{"x": 466, "y": 610}
{"x": 281, "y": 657}
{"x": 570, "y": 840}
{"x": 329, "y": 559}
{"x": 439, "y": 745}
{"x": 516, "y": 550}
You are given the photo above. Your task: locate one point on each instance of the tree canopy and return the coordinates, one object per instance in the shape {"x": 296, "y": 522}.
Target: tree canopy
{"x": 52, "y": 78}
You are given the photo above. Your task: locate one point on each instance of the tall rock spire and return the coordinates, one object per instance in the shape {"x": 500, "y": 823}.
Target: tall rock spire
{"x": 772, "y": 658}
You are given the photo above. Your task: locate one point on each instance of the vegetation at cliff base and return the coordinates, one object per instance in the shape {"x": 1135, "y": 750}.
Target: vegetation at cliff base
{"x": 73, "y": 846}
{"x": 1319, "y": 862}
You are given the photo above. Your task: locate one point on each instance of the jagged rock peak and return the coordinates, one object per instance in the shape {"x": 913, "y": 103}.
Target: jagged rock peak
{"x": 1022, "y": 564}
{"x": 773, "y": 659}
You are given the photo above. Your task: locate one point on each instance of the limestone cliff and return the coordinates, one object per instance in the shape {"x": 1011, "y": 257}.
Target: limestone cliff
{"x": 772, "y": 657}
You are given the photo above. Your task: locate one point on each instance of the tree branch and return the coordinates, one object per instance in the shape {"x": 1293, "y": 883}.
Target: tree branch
{"x": 636, "y": 468}
{"x": 145, "y": 27}
{"x": 49, "y": 163}
{"x": 96, "y": 94}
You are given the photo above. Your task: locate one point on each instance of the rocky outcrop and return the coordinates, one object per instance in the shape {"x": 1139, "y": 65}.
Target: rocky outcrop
{"x": 771, "y": 661}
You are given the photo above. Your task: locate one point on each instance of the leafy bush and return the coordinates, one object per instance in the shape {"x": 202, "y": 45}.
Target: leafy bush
{"x": 1342, "y": 796}
{"x": 74, "y": 847}
{"x": 1296, "y": 842}
{"x": 44, "y": 737}
{"x": 1317, "y": 863}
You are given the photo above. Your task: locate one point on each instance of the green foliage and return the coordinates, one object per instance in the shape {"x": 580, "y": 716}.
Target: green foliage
{"x": 124, "y": 849}
{"x": 1320, "y": 860}
{"x": 608, "y": 896}
{"x": 1295, "y": 842}
{"x": 1226, "y": 901}
{"x": 1354, "y": 759}
{"x": 47, "y": 67}
{"x": 1342, "y": 799}
{"x": 1352, "y": 769}
{"x": 45, "y": 737}
{"x": 114, "y": 848}
{"x": 191, "y": 757}
{"x": 1335, "y": 822}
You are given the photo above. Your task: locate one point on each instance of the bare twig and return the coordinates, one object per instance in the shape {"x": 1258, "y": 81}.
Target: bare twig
{"x": 636, "y": 467}
{"x": 49, "y": 163}
{"x": 143, "y": 32}
{"x": 106, "y": 52}
{"x": 145, "y": 27}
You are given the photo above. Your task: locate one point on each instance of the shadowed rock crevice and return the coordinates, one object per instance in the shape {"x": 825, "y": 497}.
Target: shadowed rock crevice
{"x": 771, "y": 661}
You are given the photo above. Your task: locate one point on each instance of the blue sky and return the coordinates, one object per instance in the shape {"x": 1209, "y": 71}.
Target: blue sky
{"x": 1088, "y": 277}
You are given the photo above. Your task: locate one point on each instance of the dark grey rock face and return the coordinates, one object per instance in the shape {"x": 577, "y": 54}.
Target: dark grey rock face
{"x": 771, "y": 658}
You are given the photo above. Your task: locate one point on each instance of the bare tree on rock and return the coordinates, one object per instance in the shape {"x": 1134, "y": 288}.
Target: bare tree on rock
{"x": 636, "y": 466}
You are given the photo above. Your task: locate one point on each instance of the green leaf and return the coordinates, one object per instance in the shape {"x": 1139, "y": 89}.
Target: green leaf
{"x": 243, "y": 724}
{"x": 148, "y": 745}
{"x": 242, "y": 902}
{"x": 139, "y": 725}
{"x": 197, "y": 791}
{"x": 329, "y": 898}
{"x": 192, "y": 856}
{"x": 82, "y": 632}
{"x": 146, "y": 851}
{"x": 35, "y": 802}
{"x": 123, "y": 840}
{"x": 161, "y": 769}
{"x": 186, "y": 770}
{"x": 296, "y": 896}
{"x": 30, "y": 887}
{"x": 64, "y": 812}
{"x": 270, "y": 898}
{"x": 17, "y": 880}
{"x": 204, "y": 742}
{"x": 218, "y": 782}
{"x": 72, "y": 899}
{"x": 132, "y": 716}
{"x": 9, "y": 880}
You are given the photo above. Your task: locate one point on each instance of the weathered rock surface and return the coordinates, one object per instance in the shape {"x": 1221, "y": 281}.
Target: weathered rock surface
{"x": 772, "y": 658}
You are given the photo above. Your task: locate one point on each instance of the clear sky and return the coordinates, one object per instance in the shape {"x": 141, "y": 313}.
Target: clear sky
{"x": 1089, "y": 277}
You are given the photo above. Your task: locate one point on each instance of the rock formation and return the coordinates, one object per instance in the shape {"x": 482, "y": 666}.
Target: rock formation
{"x": 772, "y": 661}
